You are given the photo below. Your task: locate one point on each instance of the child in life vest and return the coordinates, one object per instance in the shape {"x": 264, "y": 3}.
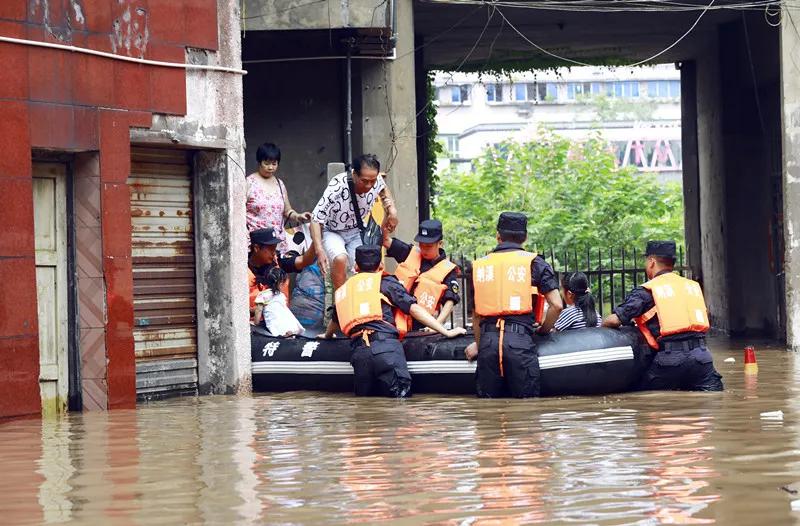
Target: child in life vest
{"x": 271, "y": 308}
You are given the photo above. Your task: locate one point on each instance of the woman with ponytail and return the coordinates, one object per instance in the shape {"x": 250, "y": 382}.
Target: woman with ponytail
{"x": 580, "y": 311}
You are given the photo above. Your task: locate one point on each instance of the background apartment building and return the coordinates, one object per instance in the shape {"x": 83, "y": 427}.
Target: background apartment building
{"x": 636, "y": 109}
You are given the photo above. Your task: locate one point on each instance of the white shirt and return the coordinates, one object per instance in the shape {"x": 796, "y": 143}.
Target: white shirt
{"x": 278, "y": 319}
{"x": 334, "y": 211}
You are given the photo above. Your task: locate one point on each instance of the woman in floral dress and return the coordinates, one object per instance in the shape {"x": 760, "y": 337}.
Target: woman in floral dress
{"x": 267, "y": 199}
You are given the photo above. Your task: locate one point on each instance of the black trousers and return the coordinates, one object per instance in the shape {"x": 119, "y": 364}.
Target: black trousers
{"x": 380, "y": 369}
{"x": 682, "y": 366}
{"x": 520, "y": 375}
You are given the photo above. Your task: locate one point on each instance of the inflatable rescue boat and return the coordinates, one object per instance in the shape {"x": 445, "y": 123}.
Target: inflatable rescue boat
{"x": 580, "y": 362}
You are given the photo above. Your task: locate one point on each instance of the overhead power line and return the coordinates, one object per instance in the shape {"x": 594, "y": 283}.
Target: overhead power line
{"x": 611, "y": 6}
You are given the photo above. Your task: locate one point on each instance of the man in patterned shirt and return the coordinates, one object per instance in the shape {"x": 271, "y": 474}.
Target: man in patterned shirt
{"x": 334, "y": 224}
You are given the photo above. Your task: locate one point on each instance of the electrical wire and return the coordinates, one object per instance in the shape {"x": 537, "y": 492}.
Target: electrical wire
{"x": 579, "y": 63}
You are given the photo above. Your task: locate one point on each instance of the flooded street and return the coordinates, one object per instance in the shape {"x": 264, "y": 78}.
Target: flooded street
{"x": 302, "y": 458}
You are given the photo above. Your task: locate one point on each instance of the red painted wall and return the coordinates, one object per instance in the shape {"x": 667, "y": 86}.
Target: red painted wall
{"x": 58, "y": 100}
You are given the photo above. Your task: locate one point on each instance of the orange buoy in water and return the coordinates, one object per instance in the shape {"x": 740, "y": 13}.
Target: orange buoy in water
{"x": 750, "y": 364}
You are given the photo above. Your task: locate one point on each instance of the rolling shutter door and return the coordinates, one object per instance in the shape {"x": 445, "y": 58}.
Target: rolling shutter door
{"x": 164, "y": 287}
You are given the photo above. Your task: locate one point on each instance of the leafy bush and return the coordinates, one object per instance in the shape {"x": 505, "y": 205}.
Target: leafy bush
{"x": 572, "y": 192}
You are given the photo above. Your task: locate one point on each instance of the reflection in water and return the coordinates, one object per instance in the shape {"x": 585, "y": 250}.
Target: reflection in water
{"x": 296, "y": 458}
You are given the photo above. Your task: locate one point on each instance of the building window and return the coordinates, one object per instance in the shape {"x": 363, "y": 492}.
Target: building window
{"x": 459, "y": 94}
{"x": 451, "y": 146}
{"x": 520, "y": 92}
{"x": 597, "y": 88}
{"x": 577, "y": 89}
{"x": 664, "y": 89}
{"x": 541, "y": 92}
{"x": 494, "y": 92}
{"x": 630, "y": 89}
{"x": 535, "y": 92}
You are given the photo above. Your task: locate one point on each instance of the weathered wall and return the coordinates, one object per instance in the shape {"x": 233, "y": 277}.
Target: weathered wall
{"x": 712, "y": 183}
{"x": 220, "y": 347}
{"x": 389, "y": 119}
{"x": 790, "y": 90}
{"x": 328, "y": 14}
{"x": 214, "y": 120}
{"x": 56, "y": 100}
{"x": 300, "y": 107}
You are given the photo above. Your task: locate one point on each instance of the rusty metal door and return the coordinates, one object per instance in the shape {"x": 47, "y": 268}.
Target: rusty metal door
{"x": 164, "y": 286}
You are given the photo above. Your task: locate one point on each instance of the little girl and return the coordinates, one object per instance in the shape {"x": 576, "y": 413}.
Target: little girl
{"x": 271, "y": 308}
{"x": 580, "y": 312}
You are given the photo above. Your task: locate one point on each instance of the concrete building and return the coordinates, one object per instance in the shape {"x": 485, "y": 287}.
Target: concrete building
{"x": 122, "y": 267}
{"x": 120, "y": 274}
{"x": 740, "y": 111}
{"x": 636, "y": 109}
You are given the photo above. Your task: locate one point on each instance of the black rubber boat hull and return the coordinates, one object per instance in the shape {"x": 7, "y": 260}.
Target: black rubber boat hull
{"x": 583, "y": 362}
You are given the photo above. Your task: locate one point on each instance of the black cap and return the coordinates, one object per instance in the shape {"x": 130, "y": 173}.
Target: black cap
{"x": 665, "y": 249}
{"x": 368, "y": 257}
{"x": 264, "y": 236}
{"x": 512, "y": 223}
{"x": 430, "y": 231}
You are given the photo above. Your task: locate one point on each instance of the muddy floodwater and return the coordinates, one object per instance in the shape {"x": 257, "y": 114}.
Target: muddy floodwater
{"x": 312, "y": 458}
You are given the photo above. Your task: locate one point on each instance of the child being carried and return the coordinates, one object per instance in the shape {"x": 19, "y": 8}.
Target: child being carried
{"x": 271, "y": 308}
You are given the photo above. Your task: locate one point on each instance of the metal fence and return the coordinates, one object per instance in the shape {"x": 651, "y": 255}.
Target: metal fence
{"x": 612, "y": 273}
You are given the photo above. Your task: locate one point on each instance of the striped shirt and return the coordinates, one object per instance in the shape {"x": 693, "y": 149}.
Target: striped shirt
{"x": 572, "y": 318}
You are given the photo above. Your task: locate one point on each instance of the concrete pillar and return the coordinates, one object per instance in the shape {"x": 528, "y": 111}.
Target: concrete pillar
{"x": 711, "y": 170}
{"x": 389, "y": 117}
{"x": 223, "y": 350}
{"x": 790, "y": 88}
{"x": 691, "y": 175}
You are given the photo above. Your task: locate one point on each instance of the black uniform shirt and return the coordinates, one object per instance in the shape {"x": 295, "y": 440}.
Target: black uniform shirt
{"x": 542, "y": 276}
{"x": 639, "y": 301}
{"x": 396, "y": 293}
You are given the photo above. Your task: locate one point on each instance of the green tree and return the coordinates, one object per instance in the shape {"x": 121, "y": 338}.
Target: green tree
{"x": 572, "y": 192}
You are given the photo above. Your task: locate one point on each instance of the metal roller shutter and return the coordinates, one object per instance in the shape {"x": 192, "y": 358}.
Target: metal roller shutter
{"x": 164, "y": 287}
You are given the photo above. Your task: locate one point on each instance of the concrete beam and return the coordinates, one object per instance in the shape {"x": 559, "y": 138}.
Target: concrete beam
{"x": 261, "y": 15}
{"x": 389, "y": 119}
{"x": 790, "y": 88}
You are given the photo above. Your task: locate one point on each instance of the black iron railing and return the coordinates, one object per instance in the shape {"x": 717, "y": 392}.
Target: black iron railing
{"x": 612, "y": 273}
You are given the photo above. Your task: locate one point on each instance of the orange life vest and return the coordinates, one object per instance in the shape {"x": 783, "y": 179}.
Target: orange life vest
{"x": 680, "y": 307}
{"x": 427, "y": 287}
{"x": 502, "y": 283}
{"x": 359, "y": 300}
{"x": 255, "y": 288}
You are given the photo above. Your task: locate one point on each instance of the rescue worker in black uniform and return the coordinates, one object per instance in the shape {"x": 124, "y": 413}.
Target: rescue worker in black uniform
{"x": 263, "y": 257}
{"x": 364, "y": 313}
{"x": 671, "y": 313}
{"x": 428, "y": 259}
{"x": 508, "y": 283}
